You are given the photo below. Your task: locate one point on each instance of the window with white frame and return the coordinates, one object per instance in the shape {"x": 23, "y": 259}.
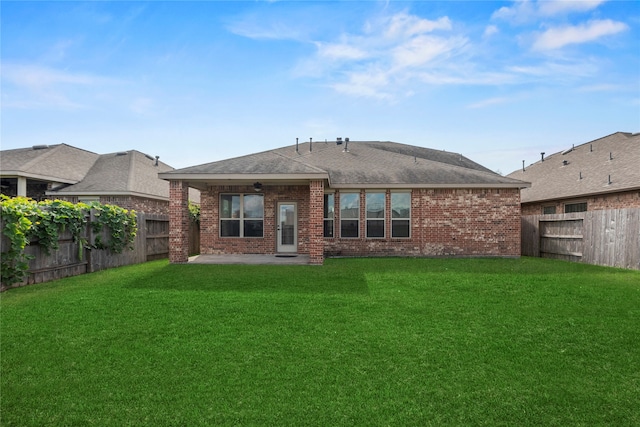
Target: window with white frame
{"x": 329, "y": 206}
{"x": 241, "y": 215}
{"x": 375, "y": 203}
{"x": 400, "y": 214}
{"x": 349, "y": 214}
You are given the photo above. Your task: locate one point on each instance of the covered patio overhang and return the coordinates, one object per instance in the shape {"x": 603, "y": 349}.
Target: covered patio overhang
{"x": 258, "y": 182}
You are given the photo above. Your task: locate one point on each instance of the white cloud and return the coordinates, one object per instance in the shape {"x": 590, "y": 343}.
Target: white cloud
{"x": 35, "y": 76}
{"x": 525, "y": 10}
{"x": 340, "y": 51}
{"x": 424, "y": 49}
{"x": 520, "y": 12}
{"x": 490, "y": 30}
{"x": 555, "y": 38}
{"x": 606, "y": 87}
{"x": 36, "y": 86}
{"x": 556, "y": 7}
{"x": 388, "y": 54}
{"x": 488, "y": 102}
{"x": 372, "y": 83}
{"x": 403, "y": 25}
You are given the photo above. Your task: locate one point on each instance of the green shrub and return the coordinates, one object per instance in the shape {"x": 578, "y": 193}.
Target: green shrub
{"x": 27, "y": 221}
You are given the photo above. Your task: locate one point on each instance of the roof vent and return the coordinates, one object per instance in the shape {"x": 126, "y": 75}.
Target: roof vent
{"x": 346, "y": 145}
{"x": 148, "y": 157}
{"x": 338, "y": 141}
{"x": 542, "y": 155}
{"x": 565, "y": 163}
{"x": 121, "y": 153}
{"x": 40, "y": 147}
{"x": 157, "y": 158}
{"x": 567, "y": 151}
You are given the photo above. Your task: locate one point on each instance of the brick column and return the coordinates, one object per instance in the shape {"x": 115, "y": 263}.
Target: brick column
{"x": 316, "y": 219}
{"x": 178, "y": 222}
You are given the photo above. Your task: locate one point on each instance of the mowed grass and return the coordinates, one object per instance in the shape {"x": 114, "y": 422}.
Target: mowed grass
{"x": 354, "y": 342}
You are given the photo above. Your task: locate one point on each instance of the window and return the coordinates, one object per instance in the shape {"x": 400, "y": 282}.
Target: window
{"x": 575, "y": 207}
{"x": 349, "y": 214}
{"x": 546, "y": 210}
{"x": 375, "y": 214}
{"x": 241, "y": 215}
{"x": 400, "y": 214}
{"x": 329, "y": 204}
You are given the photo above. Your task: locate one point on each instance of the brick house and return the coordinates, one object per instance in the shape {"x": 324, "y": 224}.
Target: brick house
{"x": 128, "y": 179}
{"x": 347, "y": 198}
{"x": 600, "y": 174}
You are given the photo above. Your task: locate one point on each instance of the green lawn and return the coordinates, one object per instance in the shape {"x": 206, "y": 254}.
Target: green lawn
{"x": 354, "y": 342}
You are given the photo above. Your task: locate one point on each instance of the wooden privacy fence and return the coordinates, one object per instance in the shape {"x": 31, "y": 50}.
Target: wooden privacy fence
{"x": 604, "y": 237}
{"x": 151, "y": 243}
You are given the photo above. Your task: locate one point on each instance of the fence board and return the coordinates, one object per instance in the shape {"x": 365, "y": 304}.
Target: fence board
{"x": 151, "y": 242}
{"x": 604, "y": 237}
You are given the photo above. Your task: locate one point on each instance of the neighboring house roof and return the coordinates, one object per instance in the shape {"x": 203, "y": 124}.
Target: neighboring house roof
{"x": 54, "y": 163}
{"x": 128, "y": 172}
{"x": 605, "y": 165}
{"x": 356, "y": 164}
{"x": 83, "y": 173}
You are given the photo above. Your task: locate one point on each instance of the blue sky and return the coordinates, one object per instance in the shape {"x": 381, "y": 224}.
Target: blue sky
{"x": 196, "y": 82}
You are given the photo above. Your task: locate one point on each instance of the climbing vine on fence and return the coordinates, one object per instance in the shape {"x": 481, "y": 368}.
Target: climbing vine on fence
{"x": 121, "y": 223}
{"x": 194, "y": 212}
{"x": 27, "y": 221}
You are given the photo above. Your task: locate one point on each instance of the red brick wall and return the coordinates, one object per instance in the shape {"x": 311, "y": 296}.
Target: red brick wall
{"x": 316, "y": 219}
{"x": 212, "y": 243}
{"x": 138, "y": 204}
{"x": 627, "y": 199}
{"x": 178, "y": 222}
{"x": 464, "y": 222}
{"x": 444, "y": 222}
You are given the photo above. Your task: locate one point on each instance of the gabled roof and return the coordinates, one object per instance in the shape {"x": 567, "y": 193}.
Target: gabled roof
{"x": 358, "y": 164}
{"x": 56, "y": 163}
{"x": 127, "y": 172}
{"x": 587, "y": 170}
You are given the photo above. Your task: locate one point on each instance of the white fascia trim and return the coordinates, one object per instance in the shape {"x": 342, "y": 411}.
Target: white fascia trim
{"x": 581, "y": 196}
{"x": 18, "y": 174}
{"x": 240, "y": 177}
{"x": 105, "y": 193}
{"x": 410, "y": 186}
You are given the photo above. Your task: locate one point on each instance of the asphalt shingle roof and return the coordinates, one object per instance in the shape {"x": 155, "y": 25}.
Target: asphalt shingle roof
{"x": 587, "y": 169}
{"x": 130, "y": 172}
{"x": 60, "y": 162}
{"x": 364, "y": 163}
{"x": 123, "y": 172}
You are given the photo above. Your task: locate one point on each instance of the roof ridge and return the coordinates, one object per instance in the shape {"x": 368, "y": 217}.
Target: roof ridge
{"x": 435, "y": 161}
{"x": 44, "y": 155}
{"x": 298, "y": 161}
{"x": 132, "y": 170}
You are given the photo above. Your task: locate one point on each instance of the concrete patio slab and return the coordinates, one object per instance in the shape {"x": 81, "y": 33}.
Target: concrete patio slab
{"x": 294, "y": 259}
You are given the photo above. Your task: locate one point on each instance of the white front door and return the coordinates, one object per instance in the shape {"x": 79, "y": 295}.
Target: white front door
{"x": 287, "y": 224}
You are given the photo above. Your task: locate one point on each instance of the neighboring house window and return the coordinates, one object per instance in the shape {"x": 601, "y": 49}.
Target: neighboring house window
{"x": 88, "y": 199}
{"x": 546, "y": 210}
{"x": 349, "y": 214}
{"x": 375, "y": 214}
{"x": 400, "y": 214}
{"x": 575, "y": 207}
{"x": 329, "y": 204}
{"x": 241, "y": 215}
